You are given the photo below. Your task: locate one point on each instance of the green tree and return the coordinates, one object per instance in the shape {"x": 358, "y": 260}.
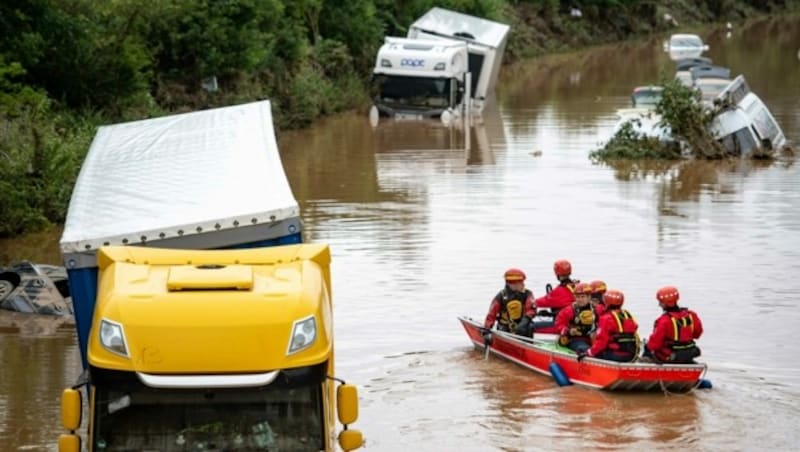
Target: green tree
{"x": 194, "y": 39}
{"x": 73, "y": 50}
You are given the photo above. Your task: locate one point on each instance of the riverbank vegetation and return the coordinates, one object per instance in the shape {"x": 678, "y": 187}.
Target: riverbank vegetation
{"x": 67, "y": 66}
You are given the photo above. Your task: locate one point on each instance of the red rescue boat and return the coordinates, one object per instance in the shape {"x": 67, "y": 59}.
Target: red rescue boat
{"x": 538, "y": 355}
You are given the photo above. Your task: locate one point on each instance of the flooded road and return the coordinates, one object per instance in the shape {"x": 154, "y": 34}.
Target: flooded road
{"x": 421, "y": 231}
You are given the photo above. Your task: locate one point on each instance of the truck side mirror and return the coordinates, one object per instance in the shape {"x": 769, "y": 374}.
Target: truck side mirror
{"x": 69, "y": 443}
{"x": 70, "y": 409}
{"x": 350, "y": 440}
{"x": 347, "y": 403}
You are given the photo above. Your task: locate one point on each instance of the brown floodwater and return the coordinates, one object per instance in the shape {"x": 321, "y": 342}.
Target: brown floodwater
{"x": 423, "y": 220}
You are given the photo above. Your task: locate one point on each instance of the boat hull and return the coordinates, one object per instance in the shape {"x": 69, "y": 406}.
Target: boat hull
{"x": 537, "y": 355}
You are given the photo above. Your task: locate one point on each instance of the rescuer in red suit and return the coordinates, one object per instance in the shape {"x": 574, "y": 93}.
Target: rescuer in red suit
{"x": 598, "y": 289}
{"x": 557, "y": 299}
{"x": 617, "y": 337}
{"x": 675, "y": 332}
{"x": 512, "y": 307}
{"x": 577, "y": 321}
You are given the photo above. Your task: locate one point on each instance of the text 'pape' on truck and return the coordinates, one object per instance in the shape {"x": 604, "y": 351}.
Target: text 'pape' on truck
{"x": 203, "y": 321}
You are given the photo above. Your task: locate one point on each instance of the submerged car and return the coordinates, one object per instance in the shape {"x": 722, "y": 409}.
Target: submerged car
{"x": 35, "y": 289}
{"x": 680, "y": 46}
{"x": 646, "y": 96}
{"x": 684, "y": 66}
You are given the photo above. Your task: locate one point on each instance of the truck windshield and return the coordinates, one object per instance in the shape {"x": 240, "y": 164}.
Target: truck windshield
{"x": 242, "y": 419}
{"x": 420, "y": 92}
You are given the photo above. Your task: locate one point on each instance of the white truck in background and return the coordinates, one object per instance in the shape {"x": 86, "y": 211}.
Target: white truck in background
{"x": 467, "y": 51}
{"x": 420, "y": 78}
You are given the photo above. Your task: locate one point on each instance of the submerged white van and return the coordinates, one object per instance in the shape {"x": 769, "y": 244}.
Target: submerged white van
{"x": 747, "y": 123}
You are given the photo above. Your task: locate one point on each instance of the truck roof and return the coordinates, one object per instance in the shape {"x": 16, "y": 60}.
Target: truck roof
{"x": 178, "y": 175}
{"x": 421, "y": 57}
{"x": 446, "y": 23}
{"x": 424, "y": 45}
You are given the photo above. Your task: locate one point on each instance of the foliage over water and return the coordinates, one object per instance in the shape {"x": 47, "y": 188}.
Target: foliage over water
{"x": 689, "y": 123}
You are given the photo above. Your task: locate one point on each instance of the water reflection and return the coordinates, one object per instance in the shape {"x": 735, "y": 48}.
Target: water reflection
{"x": 688, "y": 180}
{"x": 527, "y": 408}
{"x": 35, "y": 369}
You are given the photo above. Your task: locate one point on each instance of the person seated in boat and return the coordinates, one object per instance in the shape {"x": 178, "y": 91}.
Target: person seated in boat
{"x": 674, "y": 332}
{"x": 556, "y": 299}
{"x": 598, "y": 289}
{"x": 617, "y": 337}
{"x": 577, "y": 321}
{"x": 512, "y": 307}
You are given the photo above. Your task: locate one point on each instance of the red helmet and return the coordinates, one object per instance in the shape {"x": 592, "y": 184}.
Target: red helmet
{"x": 613, "y": 298}
{"x": 562, "y": 267}
{"x": 668, "y": 296}
{"x": 583, "y": 289}
{"x": 598, "y": 287}
{"x": 514, "y": 275}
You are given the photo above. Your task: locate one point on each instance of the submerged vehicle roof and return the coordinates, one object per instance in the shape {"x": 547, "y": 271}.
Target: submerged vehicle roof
{"x": 710, "y": 72}
{"x": 685, "y": 40}
{"x": 179, "y": 175}
{"x": 685, "y": 64}
{"x": 648, "y": 89}
{"x": 446, "y": 23}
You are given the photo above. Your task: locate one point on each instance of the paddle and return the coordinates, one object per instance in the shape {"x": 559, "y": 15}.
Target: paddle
{"x": 487, "y": 340}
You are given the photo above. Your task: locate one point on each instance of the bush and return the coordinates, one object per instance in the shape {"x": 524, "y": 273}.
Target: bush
{"x": 627, "y": 143}
{"x": 681, "y": 112}
{"x": 680, "y": 109}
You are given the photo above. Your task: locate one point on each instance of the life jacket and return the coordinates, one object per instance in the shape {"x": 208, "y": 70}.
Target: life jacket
{"x": 512, "y": 307}
{"x": 624, "y": 339}
{"x": 584, "y": 319}
{"x": 680, "y": 346}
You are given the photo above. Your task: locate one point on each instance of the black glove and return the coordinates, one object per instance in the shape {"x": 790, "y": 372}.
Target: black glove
{"x": 487, "y": 338}
{"x": 581, "y": 355}
{"x": 524, "y": 326}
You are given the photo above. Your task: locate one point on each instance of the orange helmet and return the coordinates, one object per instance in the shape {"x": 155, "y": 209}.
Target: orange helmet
{"x": 562, "y": 267}
{"x": 583, "y": 289}
{"x": 668, "y": 296}
{"x": 598, "y": 287}
{"x": 514, "y": 275}
{"x": 613, "y": 298}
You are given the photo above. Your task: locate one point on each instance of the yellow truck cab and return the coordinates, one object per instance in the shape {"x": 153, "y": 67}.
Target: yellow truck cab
{"x": 203, "y": 338}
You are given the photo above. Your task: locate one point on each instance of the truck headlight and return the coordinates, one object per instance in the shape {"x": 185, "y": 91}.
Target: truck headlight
{"x": 439, "y": 67}
{"x": 385, "y": 63}
{"x": 304, "y": 332}
{"x": 113, "y": 337}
